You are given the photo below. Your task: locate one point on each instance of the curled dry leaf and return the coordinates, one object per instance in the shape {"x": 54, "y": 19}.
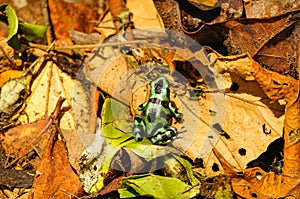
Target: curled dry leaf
{"x": 271, "y": 41}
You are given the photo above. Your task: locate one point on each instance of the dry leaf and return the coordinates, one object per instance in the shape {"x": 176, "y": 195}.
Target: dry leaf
{"x": 255, "y": 182}
{"x": 272, "y": 41}
{"x": 76, "y": 16}
{"x": 271, "y": 8}
{"x": 142, "y": 11}
{"x": 9, "y": 74}
{"x": 46, "y": 89}
{"x": 55, "y": 177}
{"x": 22, "y": 139}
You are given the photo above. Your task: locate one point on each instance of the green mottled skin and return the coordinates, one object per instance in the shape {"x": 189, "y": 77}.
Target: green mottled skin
{"x": 157, "y": 113}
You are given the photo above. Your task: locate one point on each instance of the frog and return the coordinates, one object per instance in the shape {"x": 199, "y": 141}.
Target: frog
{"x": 157, "y": 114}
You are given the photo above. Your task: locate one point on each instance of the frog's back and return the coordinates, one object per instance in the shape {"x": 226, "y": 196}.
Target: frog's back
{"x": 156, "y": 117}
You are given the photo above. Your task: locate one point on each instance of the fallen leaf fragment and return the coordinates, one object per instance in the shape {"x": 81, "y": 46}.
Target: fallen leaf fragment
{"x": 12, "y": 96}
{"x": 22, "y": 139}
{"x": 9, "y": 74}
{"x": 262, "y": 8}
{"x": 16, "y": 178}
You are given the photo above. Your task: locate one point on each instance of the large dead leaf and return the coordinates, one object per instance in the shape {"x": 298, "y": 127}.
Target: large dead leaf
{"x": 48, "y": 86}
{"x": 255, "y": 182}
{"x": 55, "y": 178}
{"x": 243, "y": 115}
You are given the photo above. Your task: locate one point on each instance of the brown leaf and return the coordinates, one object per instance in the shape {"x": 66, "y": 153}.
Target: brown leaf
{"x": 12, "y": 178}
{"x": 272, "y": 41}
{"x": 77, "y": 16}
{"x": 21, "y": 139}
{"x": 55, "y": 177}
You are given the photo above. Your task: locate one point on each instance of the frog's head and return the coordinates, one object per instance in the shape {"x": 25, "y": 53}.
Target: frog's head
{"x": 160, "y": 88}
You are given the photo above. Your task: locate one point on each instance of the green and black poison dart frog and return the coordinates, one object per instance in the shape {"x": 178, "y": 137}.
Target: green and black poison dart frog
{"x": 157, "y": 113}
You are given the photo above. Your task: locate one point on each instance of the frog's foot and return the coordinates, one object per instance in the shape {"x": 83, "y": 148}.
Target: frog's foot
{"x": 138, "y": 128}
{"x": 164, "y": 136}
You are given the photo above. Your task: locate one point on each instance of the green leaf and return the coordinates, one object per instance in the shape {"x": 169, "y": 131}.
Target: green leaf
{"x": 13, "y": 24}
{"x": 154, "y": 186}
{"x": 32, "y": 31}
{"x": 13, "y": 21}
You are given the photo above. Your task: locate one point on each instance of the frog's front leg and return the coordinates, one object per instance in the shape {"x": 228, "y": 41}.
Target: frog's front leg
{"x": 174, "y": 111}
{"x": 139, "y": 128}
{"x": 164, "y": 135}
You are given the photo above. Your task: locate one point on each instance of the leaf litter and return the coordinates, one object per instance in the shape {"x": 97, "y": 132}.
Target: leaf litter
{"x": 260, "y": 104}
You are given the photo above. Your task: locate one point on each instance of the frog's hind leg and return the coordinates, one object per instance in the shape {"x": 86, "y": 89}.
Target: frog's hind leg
{"x": 138, "y": 128}
{"x": 164, "y": 136}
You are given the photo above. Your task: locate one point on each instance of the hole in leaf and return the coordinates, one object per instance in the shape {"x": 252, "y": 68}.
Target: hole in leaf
{"x": 215, "y": 167}
{"x": 254, "y": 195}
{"x": 242, "y": 151}
{"x": 234, "y": 86}
{"x": 95, "y": 168}
{"x": 218, "y": 127}
{"x": 291, "y": 134}
{"x": 258, "y": 175}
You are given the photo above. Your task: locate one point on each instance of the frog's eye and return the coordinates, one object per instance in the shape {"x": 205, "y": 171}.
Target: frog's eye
{"x": 158, "y": 87}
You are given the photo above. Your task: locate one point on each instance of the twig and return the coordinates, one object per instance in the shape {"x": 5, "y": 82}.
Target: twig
{"x": 92, "y": 46}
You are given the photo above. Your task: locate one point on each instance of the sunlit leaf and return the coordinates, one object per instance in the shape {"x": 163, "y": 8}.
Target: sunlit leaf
{"x": 13, "y": 24}
{"x": 154, "y": 186}
{"x": 32, "y": 31}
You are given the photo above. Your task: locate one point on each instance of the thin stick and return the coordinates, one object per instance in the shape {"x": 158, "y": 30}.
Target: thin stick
{"x": 92, "y": 46}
